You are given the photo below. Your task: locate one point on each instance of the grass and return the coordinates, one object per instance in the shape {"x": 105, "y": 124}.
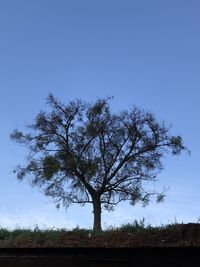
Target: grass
{"x": 137, "y": 231}
{"x": 53, "y": 233}
{"x": 6, "y": 234}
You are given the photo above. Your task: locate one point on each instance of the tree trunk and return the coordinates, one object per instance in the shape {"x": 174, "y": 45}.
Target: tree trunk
{"x": 97, "y": 213}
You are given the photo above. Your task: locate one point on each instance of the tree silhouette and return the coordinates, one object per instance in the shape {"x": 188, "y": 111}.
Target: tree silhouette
{"x": 84, "y": 153}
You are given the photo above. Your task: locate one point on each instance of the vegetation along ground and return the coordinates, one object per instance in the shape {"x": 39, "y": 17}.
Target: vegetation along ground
{"x": 129, "y": 235}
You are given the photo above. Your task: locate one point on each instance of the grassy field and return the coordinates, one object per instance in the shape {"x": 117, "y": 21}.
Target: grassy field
{"x": 131, "y": 232}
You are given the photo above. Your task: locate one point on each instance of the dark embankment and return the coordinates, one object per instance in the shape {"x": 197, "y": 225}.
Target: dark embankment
{"x": 95, "y": 257}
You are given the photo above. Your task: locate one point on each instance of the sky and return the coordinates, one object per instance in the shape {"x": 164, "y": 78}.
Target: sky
{"x": 144, "y": 53}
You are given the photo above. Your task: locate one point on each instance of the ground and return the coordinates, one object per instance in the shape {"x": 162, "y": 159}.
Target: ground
{"x": 176, "y": 235}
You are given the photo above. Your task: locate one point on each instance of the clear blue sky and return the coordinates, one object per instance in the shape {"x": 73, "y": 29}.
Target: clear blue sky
{"x": 142, "y": 52}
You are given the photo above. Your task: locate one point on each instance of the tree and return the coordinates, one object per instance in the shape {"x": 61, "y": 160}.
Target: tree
{"x": 85, "y": 153}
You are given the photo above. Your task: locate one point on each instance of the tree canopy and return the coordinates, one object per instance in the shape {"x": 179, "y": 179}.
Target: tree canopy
{"x": 85, "y": 153}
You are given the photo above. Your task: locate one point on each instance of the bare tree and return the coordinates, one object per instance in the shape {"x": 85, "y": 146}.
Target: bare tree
{"x": 84, "y": 153}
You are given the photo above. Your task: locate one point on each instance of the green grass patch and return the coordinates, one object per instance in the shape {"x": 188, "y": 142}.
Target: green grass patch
{"x": 54, "y": 233}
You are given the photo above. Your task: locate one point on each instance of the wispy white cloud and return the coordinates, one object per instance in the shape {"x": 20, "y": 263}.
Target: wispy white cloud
{"x": 34, "y": 217}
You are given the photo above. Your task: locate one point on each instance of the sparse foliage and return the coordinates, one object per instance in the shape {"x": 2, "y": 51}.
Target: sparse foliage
{"x": 84, "y": 153}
